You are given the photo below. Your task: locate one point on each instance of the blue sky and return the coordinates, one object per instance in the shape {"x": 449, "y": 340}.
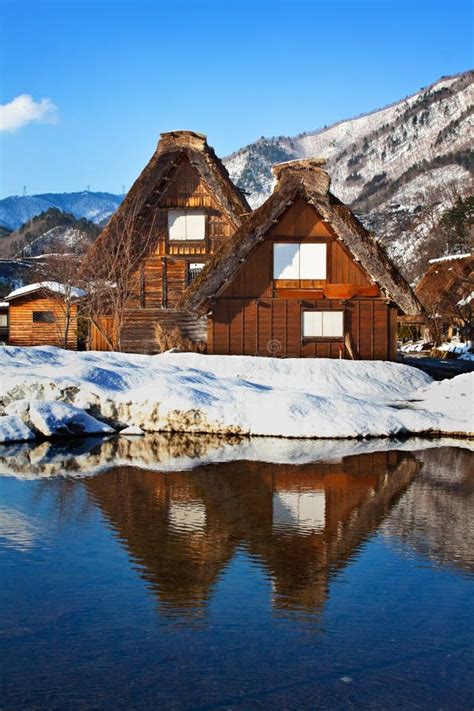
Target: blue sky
{"x": 121, "y": 71}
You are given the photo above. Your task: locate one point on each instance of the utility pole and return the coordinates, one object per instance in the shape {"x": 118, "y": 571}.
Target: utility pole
{"x": 24, "y": 191}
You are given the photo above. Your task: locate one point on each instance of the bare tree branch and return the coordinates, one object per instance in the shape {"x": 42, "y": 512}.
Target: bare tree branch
{"x": 112, "y": 272}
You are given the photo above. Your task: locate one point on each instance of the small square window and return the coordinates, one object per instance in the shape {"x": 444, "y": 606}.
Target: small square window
{"x": 194, "y": 270}
{"x": 323, "y": 324}
{"x": 3, "y": 320}
{"x": 185, "y": 225}
{"x": 43, "y": 317}
{"x": 292, "y": 260}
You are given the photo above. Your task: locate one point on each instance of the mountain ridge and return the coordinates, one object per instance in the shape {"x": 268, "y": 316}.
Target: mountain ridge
{"x": 16, "y": 210}
{"x": 399, "y": 168}
{"x": 364, "y": 114}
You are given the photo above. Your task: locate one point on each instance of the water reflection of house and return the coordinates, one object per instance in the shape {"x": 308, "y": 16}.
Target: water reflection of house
{"x": 301, "y": 523}
{"x": 435, "y": 516}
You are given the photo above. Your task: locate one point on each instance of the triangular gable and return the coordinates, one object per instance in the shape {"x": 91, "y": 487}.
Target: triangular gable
{"x": 173, "y": 149}
{"x": 310, "y": 183}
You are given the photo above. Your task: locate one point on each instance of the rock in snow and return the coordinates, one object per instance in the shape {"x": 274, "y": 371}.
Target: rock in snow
{"x": 60, "y": 418}
{"x": 13, "y": 429}
{"x": 193, "y": 393}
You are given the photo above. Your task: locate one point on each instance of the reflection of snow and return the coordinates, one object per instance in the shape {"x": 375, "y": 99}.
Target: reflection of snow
{"x": 16, "y": 530}
{"x": 190, "y": 515}
{"x": 305, "y": 510}
{"x": 183, "y": 452}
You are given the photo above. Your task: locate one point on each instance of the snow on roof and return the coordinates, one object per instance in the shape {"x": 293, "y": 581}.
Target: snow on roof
{"x": 4, "y": 304}
{"x": 467, "y": 299}
{"x": 449, "y": 257}
{"x": 53, "y": 286}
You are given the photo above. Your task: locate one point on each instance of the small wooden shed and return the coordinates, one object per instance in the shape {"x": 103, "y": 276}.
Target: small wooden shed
{"x": 302, "y": 277}
{"x": 38, "y": 315}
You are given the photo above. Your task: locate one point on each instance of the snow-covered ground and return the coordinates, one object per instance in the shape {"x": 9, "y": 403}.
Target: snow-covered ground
{"x": 453, "y": 349}
{"x": 242, "y": 395}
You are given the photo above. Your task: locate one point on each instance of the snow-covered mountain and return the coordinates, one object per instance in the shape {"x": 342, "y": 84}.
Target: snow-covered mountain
{"x": 96, "y": 207}
{"x": 399, "y": 167}
{"x": 49, "y": 232}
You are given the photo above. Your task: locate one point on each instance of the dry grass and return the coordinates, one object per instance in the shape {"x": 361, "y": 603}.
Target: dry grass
{"x": 168, "y": 337}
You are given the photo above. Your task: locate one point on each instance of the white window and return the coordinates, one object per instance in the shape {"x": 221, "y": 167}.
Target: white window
{"x": 286, "y": 261}
{"x": 303, "y": 511}
{"x": 323, "y": 324}
{"x": 3, "y": 320}
{"x": 299, "y": 261}
{"x": 312, "y": 261}
{"x": 186, "y": 224}
{"x": 194, "y": 270}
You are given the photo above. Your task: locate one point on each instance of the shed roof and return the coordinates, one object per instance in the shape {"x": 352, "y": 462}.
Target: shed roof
{"x": 51, "y": 286}
{"x": 305, "y": 179}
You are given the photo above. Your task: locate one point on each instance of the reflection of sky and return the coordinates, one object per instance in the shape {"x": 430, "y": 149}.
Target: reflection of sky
{"x": 16, "y": 530}
{"x": 304, "y": 510}
{"x": 188, "y": 515}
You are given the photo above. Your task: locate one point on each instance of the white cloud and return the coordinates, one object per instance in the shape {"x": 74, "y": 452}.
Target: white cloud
{"x": 23, "y": 110}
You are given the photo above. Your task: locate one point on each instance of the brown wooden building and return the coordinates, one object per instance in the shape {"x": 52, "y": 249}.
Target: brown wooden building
{"x": 446, "y": 290}
{"x": 37, "y": 316}
{"x": 302, "y": 277}
{"x": 186, "y": 198}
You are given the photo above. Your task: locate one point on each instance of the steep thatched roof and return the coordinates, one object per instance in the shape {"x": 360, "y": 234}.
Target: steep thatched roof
{"x": 307, "y": 180}
{"x": 153, "y": 182}
{"x": 446, "y": 282}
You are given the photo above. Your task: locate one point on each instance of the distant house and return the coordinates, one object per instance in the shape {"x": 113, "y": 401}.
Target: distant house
{"x": 446, "y": 290}
{"x": 44, "y": 313}
{"x": 185, "y": 196}
{"x": 301, "y": 277}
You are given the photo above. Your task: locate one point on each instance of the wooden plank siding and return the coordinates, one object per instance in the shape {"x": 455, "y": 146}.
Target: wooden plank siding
{"x": 23, "y": 331}
{"x": 256, "y": 315}
{"x": 138, "y": 334}
{"x": 97, "y": 339}
{"x": 273, "y": 327}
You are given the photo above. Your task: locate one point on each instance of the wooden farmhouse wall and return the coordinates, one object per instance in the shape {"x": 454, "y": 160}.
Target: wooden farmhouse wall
{"x": 39, "y": 320}
{"x": 167, "y": 271}
{"x": 257, "y": 315}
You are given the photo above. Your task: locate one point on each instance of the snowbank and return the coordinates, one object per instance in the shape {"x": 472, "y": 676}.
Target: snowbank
{"x": 450, "y": 349}
{"x": 188, "y": 392}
